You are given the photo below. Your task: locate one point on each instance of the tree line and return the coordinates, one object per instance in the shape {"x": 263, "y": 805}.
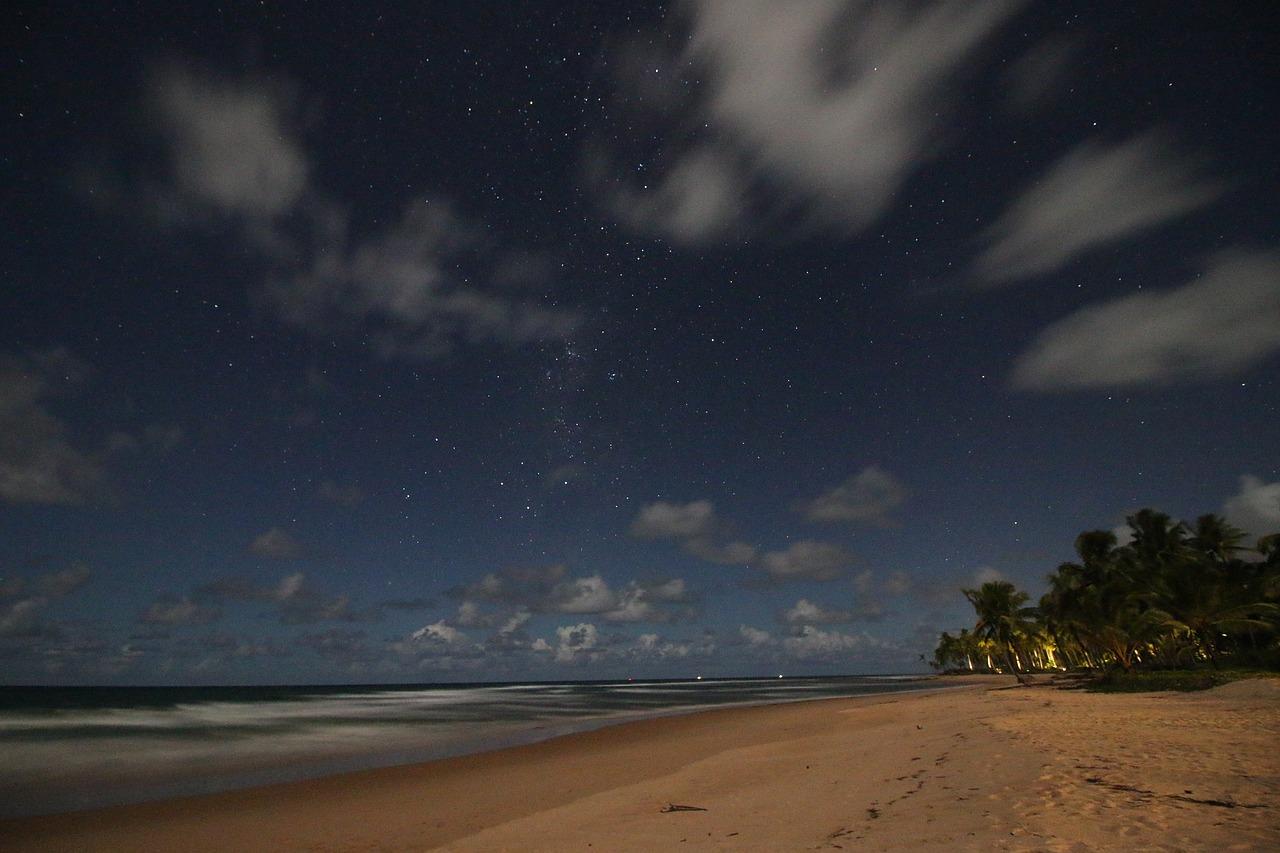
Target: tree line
{"x": 1174, "y": 596}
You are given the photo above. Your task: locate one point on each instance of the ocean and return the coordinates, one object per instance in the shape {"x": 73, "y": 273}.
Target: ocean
{"x": 71, "y": 748}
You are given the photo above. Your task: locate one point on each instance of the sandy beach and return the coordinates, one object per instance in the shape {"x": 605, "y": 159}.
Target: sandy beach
{"x": 980, "y": 767}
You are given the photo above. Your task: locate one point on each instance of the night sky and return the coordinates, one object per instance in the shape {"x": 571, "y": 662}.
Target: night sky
{"x": 442, "y": 341}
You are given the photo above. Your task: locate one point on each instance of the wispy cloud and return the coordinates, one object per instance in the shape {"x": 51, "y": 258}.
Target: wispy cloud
{"x": 811, "y": 643}
{"x": 173, "y": 611}
{"x": 38, "y": 461}
{"x": 1094, "y": 196}
{"x": 825, "y": 106}
{"x": 868, "y": 497}
{"x": 403, "y": 289}
{"x": 1219, "y": 324}
{"x": 23, "y": 601}
{"x": 232, "y": 144}
{"x": 805, "y": 612}
{"x": 1256, "y": 507}
{"x": 427, "y": 283}
{"x": 551, "y": 590}
{"x": 574, "y": 643}
{"x": 294, "y": 602}
{"x": 342, "y": 494}
{"x": 278, "y": 544}
{"x": 696, "y": 526}
{"x": 805, "y": 560}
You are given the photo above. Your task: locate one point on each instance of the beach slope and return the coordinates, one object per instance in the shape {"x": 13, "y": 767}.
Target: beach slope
{"x": 982, "y": 767}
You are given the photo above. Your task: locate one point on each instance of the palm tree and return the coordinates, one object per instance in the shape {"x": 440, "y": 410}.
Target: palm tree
{"x": 1001, "y": 618}
{"x": 1218, "y": 539}
{"x": 1206, "y": 600}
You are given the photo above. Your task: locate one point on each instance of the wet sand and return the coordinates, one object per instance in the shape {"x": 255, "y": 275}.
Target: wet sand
{"x": 983, "y": 767}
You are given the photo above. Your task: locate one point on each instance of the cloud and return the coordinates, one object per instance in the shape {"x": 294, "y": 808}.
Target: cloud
{"x": 295, "y": 603}
{"x": 696, "y": 526}
{"x": 38, "y": 461}
{"x": 827, "y": 105}
{"x": 725, "y": 553}
{"x": 644, "y": 602}
{"x": 550, "y": 589}
{"x": 1219, "y": 324}
{"x": 428, "y": 282}
{"x": 439, "y": 633}
{"x": 810, "y": 643}
{"x": 232, "y": 145}
{"x": 701, "y": 198}
{"x": 866, "y": 498}
{"x": 652, "y": 646}
{"x": 1094, "y": 196}
{"x": 583, "y": 595}
{"x": 664, "y": 520}
{"x": 409, "y": 288}
{"x": 337, "y": 644}
{"x": 1256, "y": 508}
{"x": 23, "y": 601}
{"x": 340, "y": 494}
{"x": 1032, "y": 76}
{"x": 573, "y": 642}
{"x": 277, "y": 544}
{"x": 805, "y": 612}
{"x": 805, "y": 560}
{"x": 174, "y": 611}
{"x": 755, "y": 637}
{"x": 987, "y": 574}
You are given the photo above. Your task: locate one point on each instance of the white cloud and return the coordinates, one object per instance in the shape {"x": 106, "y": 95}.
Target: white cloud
{"x": 699, "y": 199}
{"x": 1214, "y": 326}
{"x": 642, "y": 602}
{"x": 726, "y": 553}
{"x": 573, "y": 642}
{"x": 696, "y": 526}
{"x": 865, "y": 498}
{"x": 1034, "y": 75}
{"x": 179, "y": 611}
{"x": 1094, "y": 196}
{"x": 515, "y": 622}
{"x": 830, "y": 104}
{"x": 665, "y": 520}
{"x": 439, "y": 632}
{"x": 22, "y": 600}
{"x": 987, "y": 574}
{"x": 1256, "y": 508}
{"x": 231, "y": 144}
{"x": 277, "y": 544}
{"x": 550, "y": 590}
{"x": 343, "y": 495}
{"x": 813, "y": 642}
{"x": 403, "y": 289}
{"x": 805, "y": 612}
{"x": 584, "y": 595}
{"x": 806, "y": 560}
{"x": 294, "y": 602}
{"x": 755, "y": 637}
{"x": 429, "y": 282}
{"x": 652, "y": 646}
{"x": 38, "y": 462}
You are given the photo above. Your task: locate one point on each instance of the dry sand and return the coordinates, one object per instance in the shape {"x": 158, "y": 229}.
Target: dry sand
{"x": 981, "y": 768}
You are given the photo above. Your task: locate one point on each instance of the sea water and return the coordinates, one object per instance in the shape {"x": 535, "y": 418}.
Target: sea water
{"x": 71, "y": 748}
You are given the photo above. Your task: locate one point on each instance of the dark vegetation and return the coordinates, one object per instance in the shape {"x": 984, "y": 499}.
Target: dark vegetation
{"x": 1178, "y": 607}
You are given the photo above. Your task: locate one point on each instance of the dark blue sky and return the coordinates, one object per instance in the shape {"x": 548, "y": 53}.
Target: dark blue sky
{"x": 437, "y": 341}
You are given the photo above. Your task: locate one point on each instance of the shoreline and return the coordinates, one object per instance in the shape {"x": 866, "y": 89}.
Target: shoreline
{"x": 963, "y": 767}
{"x": 97, "y": 785}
